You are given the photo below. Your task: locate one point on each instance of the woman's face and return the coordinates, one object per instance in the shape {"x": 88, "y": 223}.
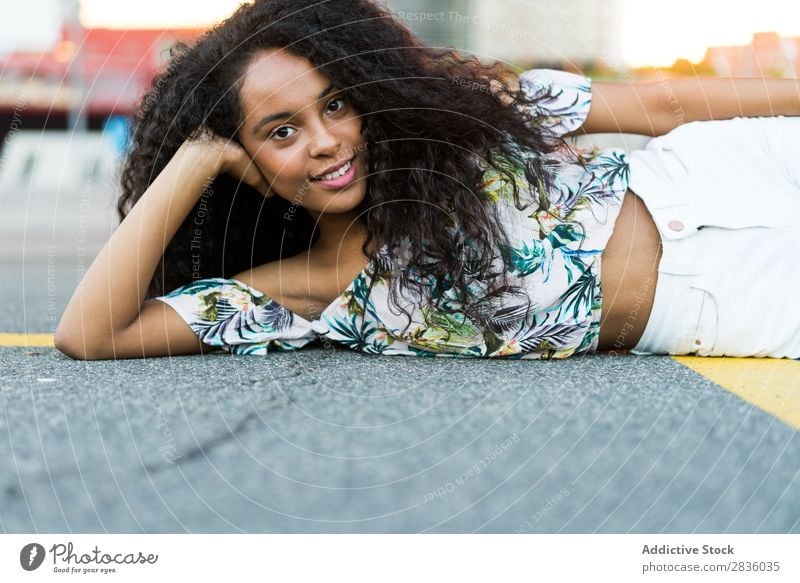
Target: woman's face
{"x": 297, "y": 126}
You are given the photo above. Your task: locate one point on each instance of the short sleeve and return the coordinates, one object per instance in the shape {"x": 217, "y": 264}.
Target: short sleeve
{"x": 230, "y": 314}
{"x": 563, "y": 98}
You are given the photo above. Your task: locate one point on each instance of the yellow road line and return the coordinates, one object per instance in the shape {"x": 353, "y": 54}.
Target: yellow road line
{"x": 771, "y": 384}
{"x": 26, "y": 340}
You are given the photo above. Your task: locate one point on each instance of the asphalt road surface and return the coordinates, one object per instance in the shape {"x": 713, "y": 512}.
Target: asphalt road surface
{"x": 327, "y": 440}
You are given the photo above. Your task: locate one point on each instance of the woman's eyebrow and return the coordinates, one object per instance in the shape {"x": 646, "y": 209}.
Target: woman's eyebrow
{"x": 285, "y": 114}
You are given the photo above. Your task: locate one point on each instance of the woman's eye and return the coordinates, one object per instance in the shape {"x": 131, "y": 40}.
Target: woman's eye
{"x": 276, "y": 133}
{"x": 334, "y": 101}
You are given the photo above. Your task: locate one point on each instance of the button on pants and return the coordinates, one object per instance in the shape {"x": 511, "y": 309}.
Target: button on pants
{"x": 725, "y": 197}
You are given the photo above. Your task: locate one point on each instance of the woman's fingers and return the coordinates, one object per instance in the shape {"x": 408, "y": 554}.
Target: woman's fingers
{"x": 253, "y": 176}
{"x": 233, "y": 159}
{"x": 241, "y": 166}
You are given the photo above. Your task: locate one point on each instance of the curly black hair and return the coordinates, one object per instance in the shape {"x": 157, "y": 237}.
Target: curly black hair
{"x": 432, "y": 118}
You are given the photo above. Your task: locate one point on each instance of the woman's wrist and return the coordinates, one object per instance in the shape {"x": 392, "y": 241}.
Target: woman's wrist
{"x": 215, "y": 156}
{"x": 194, "y": 156}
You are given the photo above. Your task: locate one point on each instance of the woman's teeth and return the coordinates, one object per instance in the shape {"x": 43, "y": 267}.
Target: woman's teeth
{"x": 336, "y": 174}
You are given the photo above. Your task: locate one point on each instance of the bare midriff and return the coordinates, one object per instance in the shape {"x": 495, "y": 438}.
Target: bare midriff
{"x": 628, "y": 276}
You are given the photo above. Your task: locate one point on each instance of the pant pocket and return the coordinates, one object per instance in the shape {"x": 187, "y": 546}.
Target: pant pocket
{"x": 698, "y": 333}
{"x": 705, "y": 337}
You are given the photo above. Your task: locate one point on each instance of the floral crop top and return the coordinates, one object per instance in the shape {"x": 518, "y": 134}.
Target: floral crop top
{"x": 554, "y": 257}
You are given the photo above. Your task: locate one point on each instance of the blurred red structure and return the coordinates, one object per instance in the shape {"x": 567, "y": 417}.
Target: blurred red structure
{"x": 109, "y": 69}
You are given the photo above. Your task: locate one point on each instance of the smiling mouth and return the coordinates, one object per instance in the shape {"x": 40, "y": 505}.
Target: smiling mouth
{"x": 341, "y": 171}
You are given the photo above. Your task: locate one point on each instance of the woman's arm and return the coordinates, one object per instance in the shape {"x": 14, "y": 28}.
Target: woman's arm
{"x": 105, "y": 317}
{"x": 654, "y": 108}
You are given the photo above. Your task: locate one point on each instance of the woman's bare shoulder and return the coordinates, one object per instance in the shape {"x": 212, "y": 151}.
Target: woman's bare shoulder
{"x": 274, "y": 278}
{"x": 297, "y": 283}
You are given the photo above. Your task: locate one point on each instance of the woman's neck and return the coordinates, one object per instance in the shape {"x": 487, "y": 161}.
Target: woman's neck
{"x": 341, "y": 235}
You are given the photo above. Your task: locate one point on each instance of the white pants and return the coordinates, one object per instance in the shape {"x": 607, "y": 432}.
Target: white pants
{"x": 725, "y": 197}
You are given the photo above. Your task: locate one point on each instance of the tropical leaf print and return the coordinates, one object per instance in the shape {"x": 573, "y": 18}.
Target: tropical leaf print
{"x": 526, "y": 259}
{"x": 501, "y": 311}
{"x": 356, "y": 296}
{"x": 566, "y": 195}
{"x": 498, "y": 185}
{"x": 563, "y": 235}
{"x": 443, "y": 331}
{"x": 589, "y": 338}
{"x": 351, "y": 332}
{"x": 474, "y": 352}
{"x": 221, "y": 323}
{"x": 588, "y": 193}
{"x": 453, "y": 324}
{"x": 563, "y": 99}
{"x": 546, "y": 336}
{"x": 493, "y": 342}
{"x": 573, "y": 265}
{"x": 198, "y": 286}
{"x": 579, "y": 298}
{"x": 265, "y": 347}
{"x": 612, "y": 169}
{"x": 227, "y": 312}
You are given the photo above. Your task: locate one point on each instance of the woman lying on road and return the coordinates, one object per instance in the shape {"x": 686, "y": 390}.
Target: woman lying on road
{"x": 310, "y": 171}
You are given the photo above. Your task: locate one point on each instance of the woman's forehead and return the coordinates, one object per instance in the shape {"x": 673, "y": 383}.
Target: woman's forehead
{"x": 277, "y": 79}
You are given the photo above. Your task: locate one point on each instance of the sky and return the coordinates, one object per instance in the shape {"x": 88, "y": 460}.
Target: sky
{"x": 655, "y": 32}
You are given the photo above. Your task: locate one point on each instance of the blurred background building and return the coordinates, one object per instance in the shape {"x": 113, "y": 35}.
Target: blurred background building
{"x": 431, "y": 21}
{"x": 64, "y": 112}
{"x": 767, "y": 55}
{"x": 66, "y": 95}
{"x": 524, "y": 33}
{"x": 87, "y": 76}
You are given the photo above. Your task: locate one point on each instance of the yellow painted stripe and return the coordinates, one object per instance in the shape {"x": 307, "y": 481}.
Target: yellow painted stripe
{"x": 771, "y": 384}
{"x": 26, "y": 340}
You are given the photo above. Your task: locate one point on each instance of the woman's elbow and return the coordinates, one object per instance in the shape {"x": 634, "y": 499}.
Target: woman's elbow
{"x": 76, "y": 348}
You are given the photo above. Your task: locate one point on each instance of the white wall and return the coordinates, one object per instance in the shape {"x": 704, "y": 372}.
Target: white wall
{"x": 32, "y": 25}
{"x": 549, "y": 31}
{"x": 57, "y": 188}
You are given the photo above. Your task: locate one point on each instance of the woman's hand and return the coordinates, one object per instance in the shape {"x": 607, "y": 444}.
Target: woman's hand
{"x": 225, "y": 156}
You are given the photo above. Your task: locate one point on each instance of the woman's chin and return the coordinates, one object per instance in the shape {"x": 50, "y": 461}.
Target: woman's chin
{"x": 337, "y": 202}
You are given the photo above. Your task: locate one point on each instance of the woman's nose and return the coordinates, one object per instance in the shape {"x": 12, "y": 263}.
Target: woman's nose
{"x": 324, "y": 142}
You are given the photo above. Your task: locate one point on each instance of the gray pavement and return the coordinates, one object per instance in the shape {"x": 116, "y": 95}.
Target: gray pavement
{"x": 329, "y": 440}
